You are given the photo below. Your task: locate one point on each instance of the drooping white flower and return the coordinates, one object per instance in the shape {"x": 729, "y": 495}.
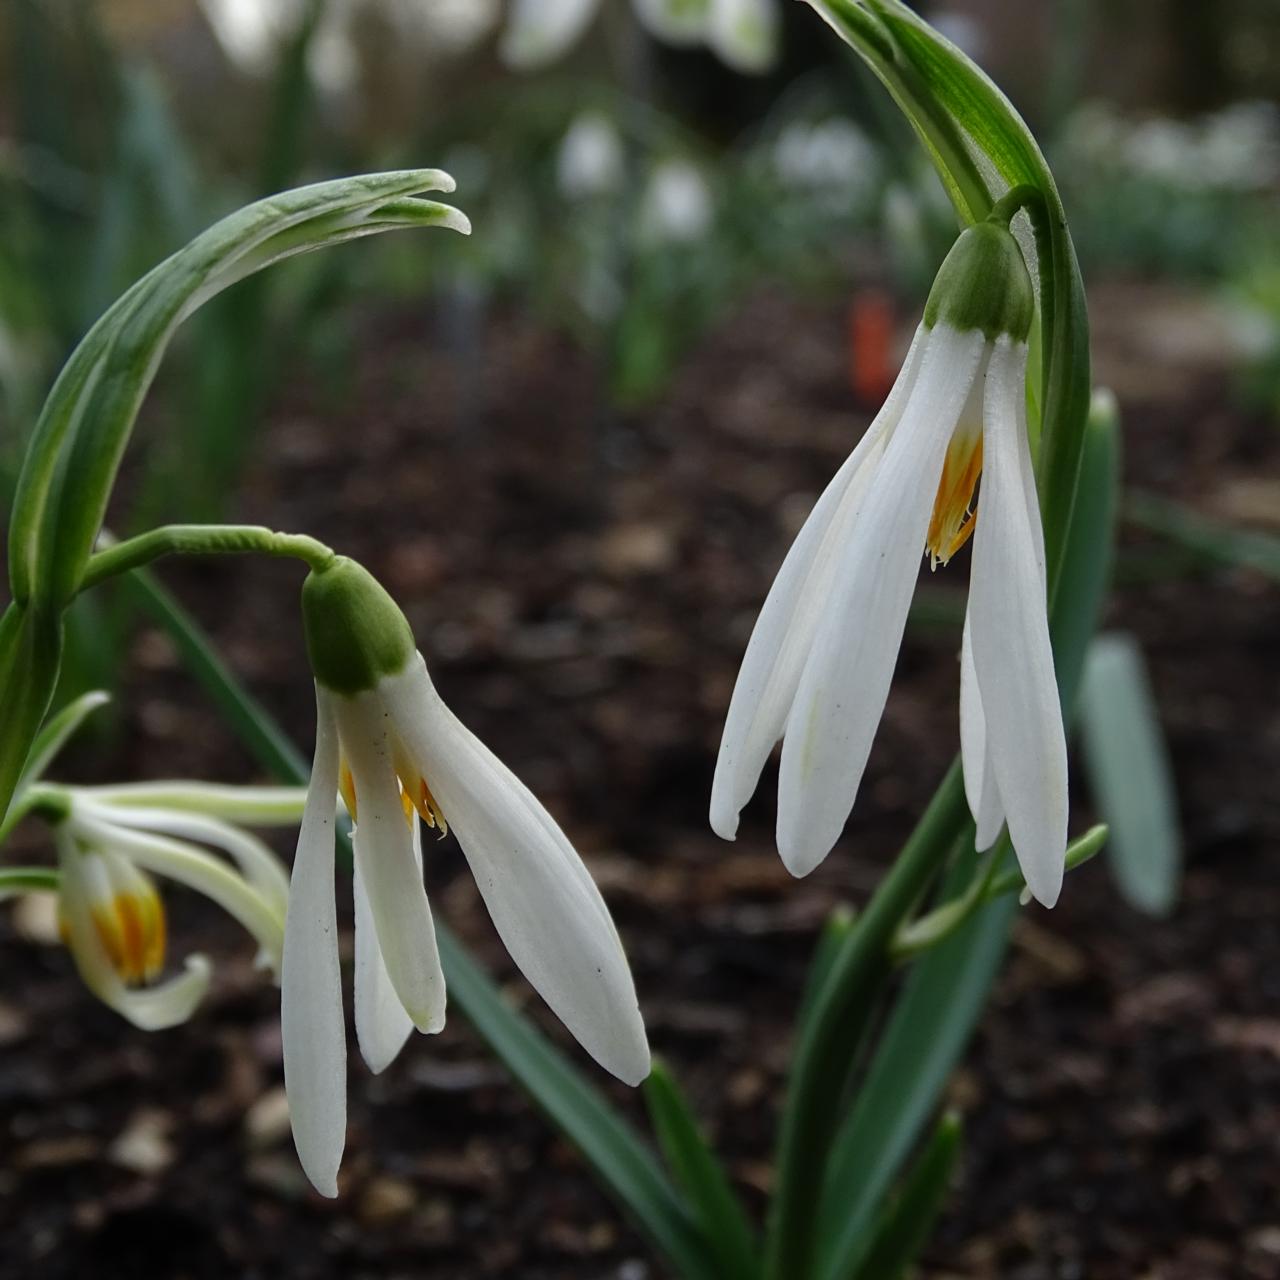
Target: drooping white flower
{"x": 819, "y": 663}
{"x": 113, "y": 841}
{"x": 387, "y": 741}
{"x": 742, "y": 33}
{"x": 676, "y": 206}
{"x": 590, "y": 160}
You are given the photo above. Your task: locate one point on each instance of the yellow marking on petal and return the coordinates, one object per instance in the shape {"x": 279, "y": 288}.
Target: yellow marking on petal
{"x": 347, "y": 786}
{"x": 131, "y": 928}
{"x": 952, "y": 522}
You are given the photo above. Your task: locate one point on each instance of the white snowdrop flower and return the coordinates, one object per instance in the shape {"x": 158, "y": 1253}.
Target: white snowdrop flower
{"x": 744, "y": 34}
{"x": 111, "y": 844}
{"x": 590, "y": 160}
{"x": 819, "y": 663}
{"x": 386, "y": 740}
{"x": 539, "y": 31}
{"x": 676, "y": 206}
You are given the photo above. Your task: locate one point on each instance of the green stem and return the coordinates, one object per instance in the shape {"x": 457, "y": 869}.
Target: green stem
{"x": 819, "y": 1069}
{"x": 1023, "y": 196}
{"x": 200, "y": 540}
{"x": 16, "y": 880}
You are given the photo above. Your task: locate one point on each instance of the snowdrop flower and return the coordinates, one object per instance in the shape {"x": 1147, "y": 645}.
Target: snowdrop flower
{"x": 590, "y": 160}
{"x": 676, "y": 206}
{"x": 742, "y": 33}
{"x": 111, "y": 844}
{"x": 386, "y": 740}
{"x": 818, "y": 666}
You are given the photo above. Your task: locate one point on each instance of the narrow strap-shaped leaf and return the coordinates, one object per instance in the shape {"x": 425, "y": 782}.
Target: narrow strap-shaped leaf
{"x": 607, "y": 1142}
{"x": 93, "y": 404}
{"x": 702, "y": 1178}
{"x": 1128, "y": 767}
{"x": 245, "y": 716}
{"x": 930, "y": 1025}
{"x": 50, "y": 740}
{"x": 908, "y": 1222}
{"x": 1212, "y": 540}
{"x": 835, "y": 931}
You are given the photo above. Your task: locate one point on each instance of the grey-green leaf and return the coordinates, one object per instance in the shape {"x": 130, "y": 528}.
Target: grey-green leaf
{"x": 1128, "y": 767}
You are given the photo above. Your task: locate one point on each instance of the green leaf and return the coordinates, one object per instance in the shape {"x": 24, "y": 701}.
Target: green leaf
{"x": 1128, "y": 767}
{"x": 702, "y": 1177}
{"x": 30, "y": 657}
{"x": 50, "y": 740}
{"x": 245, "y": 716}
{"x": 1212, "y": 540}
{"x": 841, "y": 1015}
{"x": 81, "y": 435}
{"x": 19, "y": 880}
{"x": 907, "y": 1224}
{"x": 835, "y": 932}
{"x": 929, "y": 1027}
{"x": 607, "y": 1142}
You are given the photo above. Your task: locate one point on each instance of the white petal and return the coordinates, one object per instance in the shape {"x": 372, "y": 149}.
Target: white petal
{"x": 845, "y": 682}
{"x": 256, "y": 861}
{"x": 150, "y": 1009}
{"x": 382, "y": 1026}
{"x": 784, "y": 631}
{"x": 311, "y": 1023}
{"x": 391, "y": 876}
{"x": 544, "y": 904}
{"x": 979, "y": 779}
{"x": 1011, "y": 650}
{"x": 539, "y": 31}
{"x": 744, "y": 33}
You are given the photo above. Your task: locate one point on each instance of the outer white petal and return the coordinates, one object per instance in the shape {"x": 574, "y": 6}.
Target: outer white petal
{"x": 311, "y": 1023}
{"x": 784, "y": 631}
{"x": 744, "y": 33}
{"x": 845, "y": 682}
{"x": 544, "y": 904}
{"x": 979, "y": 778}
{"x": 382, "y": 1026}
{"x": 259, "y": 865}
{"x": 151, "y": 1009}
{"x": 390, "y": 874}
{"x": 539, "y": 31}
{"x": 678, "y": 22}
{"x": 1011, "y": 651}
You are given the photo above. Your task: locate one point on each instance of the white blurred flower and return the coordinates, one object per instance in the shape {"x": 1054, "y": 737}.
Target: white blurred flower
{"x": 590, "y": 160}
{"x": 742, "y": 33}
{"x": 676, "y": 206}
{"x": 831, "y": 159}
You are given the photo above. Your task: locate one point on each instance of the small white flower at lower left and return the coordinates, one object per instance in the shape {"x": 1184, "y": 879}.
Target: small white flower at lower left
{"x": 111, "y": 842}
